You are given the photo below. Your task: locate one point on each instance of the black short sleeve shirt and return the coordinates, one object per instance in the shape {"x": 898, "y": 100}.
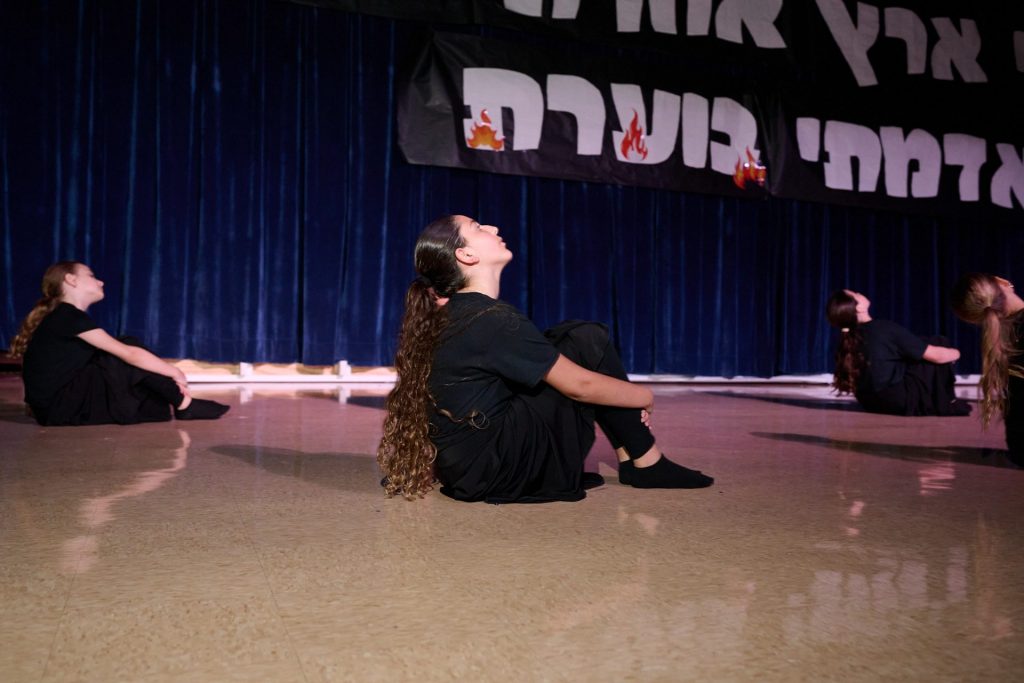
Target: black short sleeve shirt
{"x": 55, "y": 353}
{"x": 488, "y": 352}
{"x": 887, "y": 349}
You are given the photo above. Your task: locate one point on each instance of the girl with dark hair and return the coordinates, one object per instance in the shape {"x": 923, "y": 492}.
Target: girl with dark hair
{"x": 888, "y": 369}
{"x": 77, "y": 374}
{"x": 491, "y": 407}
{"x": 990, "y": 302}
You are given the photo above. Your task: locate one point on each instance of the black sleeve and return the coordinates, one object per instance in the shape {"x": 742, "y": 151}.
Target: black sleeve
{"x": 908, "y": 344}
{"x": 518, "y": 351}
{"x": 68, "y": 321}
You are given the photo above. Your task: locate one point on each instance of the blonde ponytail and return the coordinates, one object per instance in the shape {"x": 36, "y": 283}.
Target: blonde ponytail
{"x": 53, "y": 289}
{"x": 977, "y": 298}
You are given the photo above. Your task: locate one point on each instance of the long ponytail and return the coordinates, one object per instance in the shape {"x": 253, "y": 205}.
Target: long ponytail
{"x": 842, "y": 313}
{"x": 977, "y": 298}
{"x": 995, "y": 366}
{"x": 406, "y": 454}
{"x": 53, "y": 280}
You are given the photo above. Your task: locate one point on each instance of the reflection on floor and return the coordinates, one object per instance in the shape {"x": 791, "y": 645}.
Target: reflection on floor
{"x": 835, "y": 545}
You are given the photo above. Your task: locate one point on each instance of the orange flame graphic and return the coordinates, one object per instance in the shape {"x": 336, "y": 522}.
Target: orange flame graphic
{"x": 633, "y": 140}
{"x": 483, "y": 135}
{"x": 751, "y": 170}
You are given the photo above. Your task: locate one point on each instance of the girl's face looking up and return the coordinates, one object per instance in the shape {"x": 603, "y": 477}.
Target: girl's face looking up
{"x": 481, "y": 243}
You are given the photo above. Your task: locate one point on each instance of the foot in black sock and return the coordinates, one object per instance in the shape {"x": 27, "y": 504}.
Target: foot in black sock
{"x": 960, "y": 407}
{"x": 591, "y": 480}
{"x": 200, "y": 409}
{"x": 666, "y": 474}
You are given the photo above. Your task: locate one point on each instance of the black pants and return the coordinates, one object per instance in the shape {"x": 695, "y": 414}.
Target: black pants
{"x": 926, "y": 389}
{"x": 587, "y": 344}
{"x": 545, "y": 436}
{"x": 109, "y": 391}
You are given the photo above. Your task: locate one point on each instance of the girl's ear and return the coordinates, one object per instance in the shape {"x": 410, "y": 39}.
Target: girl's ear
{"x": 465, "y": 256}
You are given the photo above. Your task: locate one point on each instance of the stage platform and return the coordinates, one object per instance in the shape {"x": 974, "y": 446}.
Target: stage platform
{"x": 834, "y": 545}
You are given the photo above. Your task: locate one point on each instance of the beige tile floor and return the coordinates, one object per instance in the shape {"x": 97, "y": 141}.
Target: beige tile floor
{"x": 836, "y": 545}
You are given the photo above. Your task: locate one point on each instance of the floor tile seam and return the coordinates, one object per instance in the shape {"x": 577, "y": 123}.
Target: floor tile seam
{"x": 277, "y": 606}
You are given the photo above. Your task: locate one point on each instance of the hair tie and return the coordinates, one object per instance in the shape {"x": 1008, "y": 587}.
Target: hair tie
{"x": 424, "y": 280}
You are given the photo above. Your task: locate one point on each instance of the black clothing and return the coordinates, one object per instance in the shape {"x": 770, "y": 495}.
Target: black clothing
{"x": 502, "y": 434}
{"x": 896, "y": 380}
{"x": 888, "y": 348}
{"x": 55, "y": 354}
{"x": 70, "y": 382}
{"x": 1014, "y": 416}
{"x": 587, "y": 344}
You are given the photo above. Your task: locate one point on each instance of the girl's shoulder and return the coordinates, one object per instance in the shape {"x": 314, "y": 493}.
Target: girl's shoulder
{"x": 482, "y": 316}
{"x": 475, "y": 304}
{"x": 66, "y": 319}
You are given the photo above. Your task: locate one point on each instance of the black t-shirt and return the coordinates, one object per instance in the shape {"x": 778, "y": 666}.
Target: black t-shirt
{"x": 488, "y": 352}
{"x": 55, "y": 354}
{"x": 887, "y": 349}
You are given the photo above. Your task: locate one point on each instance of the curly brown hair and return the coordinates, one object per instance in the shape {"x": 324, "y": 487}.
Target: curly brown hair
{"x": 406, "y": 454}
{"x": 977, "y": 298}
{"x": 53, "y": 281}
{"x": 842, "y": 313}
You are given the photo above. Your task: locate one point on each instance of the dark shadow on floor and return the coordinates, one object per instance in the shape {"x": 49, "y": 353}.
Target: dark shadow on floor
{"x": 813, "y": 403}
{"x": 364, "y": 401}
{"x": 992, "y": 457}
{"x": 367, "y": 401}
{"x": 15, "y": 412}
{"x": 343, "y": 471}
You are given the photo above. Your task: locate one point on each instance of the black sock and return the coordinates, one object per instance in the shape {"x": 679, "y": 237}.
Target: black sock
{"x": 200, "y": 409}
{"x": 960, "y": 407}
{"x": 666, "y": 474}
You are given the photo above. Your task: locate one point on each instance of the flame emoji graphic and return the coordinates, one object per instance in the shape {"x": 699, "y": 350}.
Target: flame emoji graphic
{"x": 633, "y": 140}
{"x": 751, "y": 170}
{"x": 483, "y": 135}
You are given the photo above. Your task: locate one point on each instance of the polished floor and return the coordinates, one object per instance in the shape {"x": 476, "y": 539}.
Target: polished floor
{"x": 835, "y": 545}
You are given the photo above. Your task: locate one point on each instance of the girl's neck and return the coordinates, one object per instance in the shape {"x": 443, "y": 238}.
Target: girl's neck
{"x": 488, "y": 284}
{"x": 1014, "y": 304}
{"x": 480, "y": 290}
{"x": 80, "y": 305}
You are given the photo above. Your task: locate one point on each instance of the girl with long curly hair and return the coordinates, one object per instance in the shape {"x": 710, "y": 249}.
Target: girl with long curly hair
{"x": 77, "y": 374}
{"x": 491, "y": 407}
{"x": 990, "y": 302}
{"x": 886, "y": 367}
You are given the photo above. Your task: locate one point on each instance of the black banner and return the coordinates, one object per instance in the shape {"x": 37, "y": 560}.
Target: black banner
{"x": 492, "y": 106}
{"x": 825, "y": 43}
{"x": 912, "y": 107}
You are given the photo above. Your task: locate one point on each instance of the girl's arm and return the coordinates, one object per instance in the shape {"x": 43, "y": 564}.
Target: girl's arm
{"x": 134, "y": 355}
{"x": 940, "y": 354}
{"x": 587, "y": 386}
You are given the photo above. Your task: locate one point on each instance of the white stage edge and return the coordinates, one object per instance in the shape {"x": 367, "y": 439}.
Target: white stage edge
{"x": 342, "y": 373}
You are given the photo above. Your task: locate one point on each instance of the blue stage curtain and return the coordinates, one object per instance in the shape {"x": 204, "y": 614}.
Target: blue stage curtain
{"x": 229, "y": 169}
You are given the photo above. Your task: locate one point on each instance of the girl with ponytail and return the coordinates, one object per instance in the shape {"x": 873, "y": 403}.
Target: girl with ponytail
{"x": 991, "y": 303}
{"x": 492, "y": 408}
{"x": 888, "y": 369}
{"x": 76, "y": 374}
{"x": 53, "y": 280}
